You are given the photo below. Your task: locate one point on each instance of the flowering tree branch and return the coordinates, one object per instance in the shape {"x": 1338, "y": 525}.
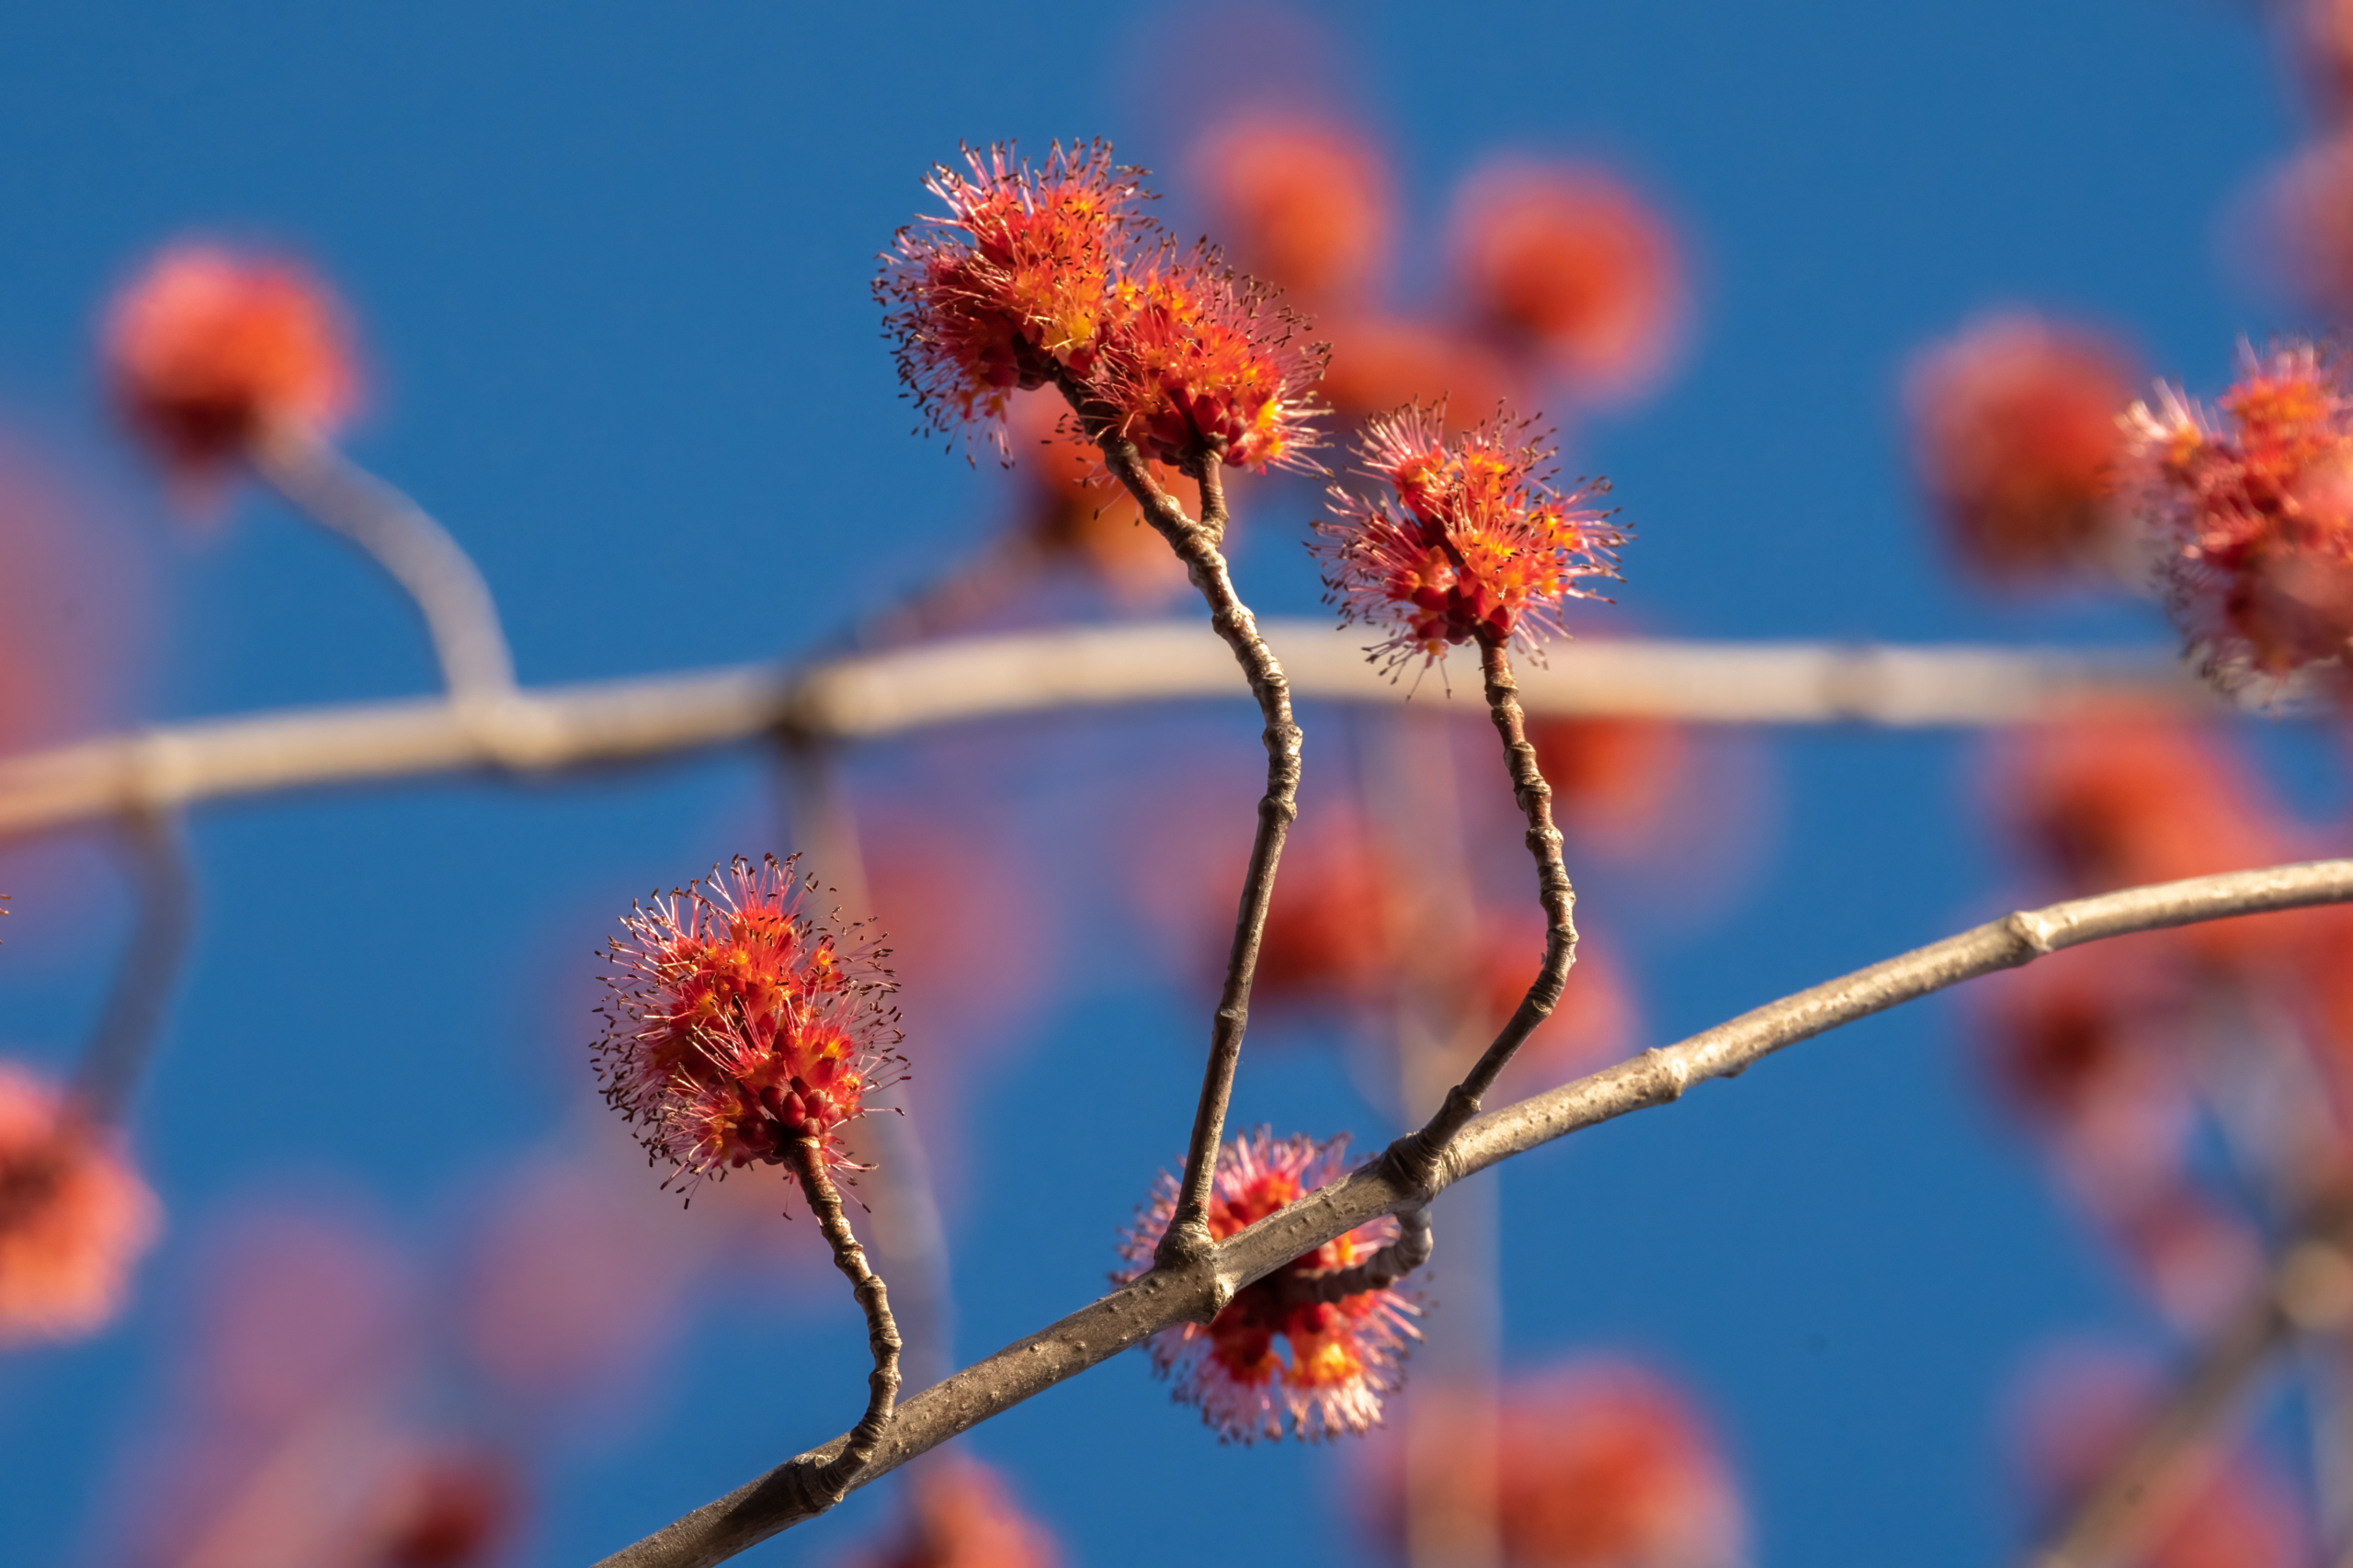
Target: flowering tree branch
{"x": 560, "y": 728}
{"x": 397, "y": 534}
{"x": 1196, "y": 544}
{"x": 1194, "y": 1291}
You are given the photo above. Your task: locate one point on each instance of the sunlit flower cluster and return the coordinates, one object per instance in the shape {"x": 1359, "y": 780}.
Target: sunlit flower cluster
{"x": 739, "y": 1024}
{"x": 1051, "y": 274}
{"x": 2254, "y": 501}
{"x": 1468, "y": 542}
{"x": 209, "y": 346}
{"x": 1303, "y": 202}
{"x": 75, "y": 1217}
{"x": 1343, "y": 1357}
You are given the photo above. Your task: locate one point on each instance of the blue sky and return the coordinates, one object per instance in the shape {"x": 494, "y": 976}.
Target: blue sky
{"x": 612, "y": 266}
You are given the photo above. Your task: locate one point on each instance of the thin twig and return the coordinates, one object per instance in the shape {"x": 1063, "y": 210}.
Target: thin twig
{"x": 1417, "y": 1153}
{"x": 1194, "y": 1292}
{"x": 123, "y": 1042}
{"x": 908, "y": 1235}
{"x": 826, "y": 1480}
{"x": 555, "y": 729}
{"x": 2158, "y": 1475}
{"x": 415, "y": 552}
{"x": 1196, "y": 544}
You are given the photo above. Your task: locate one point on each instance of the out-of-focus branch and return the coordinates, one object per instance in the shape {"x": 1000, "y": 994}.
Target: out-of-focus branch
{"x": 163, "y": 923}
{"x": 398, "y": 536}
{"x": 2146, "y": 1487}
{"x": 1167, "y": 1296}
{"x": 560, "y": 728}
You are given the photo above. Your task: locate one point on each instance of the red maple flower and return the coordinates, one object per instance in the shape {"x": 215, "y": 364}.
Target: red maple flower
{"x": 1477, "y": 545}
{"x": 739, "y": 1024}
{"x": 1345, "y": 1355}
{"x": 75, "y": 1217}
{"x": 960, "y": 1513}
{"x": 1302, "y": 202}
{"x": 1570, "y": 261}
{"x": 1009, "y": 286}
{"x": 1597, "y": 1463}
{"x": 206, "y": 347}
{"x": 448, "y": 1508}
{"x": 1380, "y": 362}
{"x": 2254, "y": 503}
{"x": 2015, "y": 435}
{"x": 1200, "y": 362}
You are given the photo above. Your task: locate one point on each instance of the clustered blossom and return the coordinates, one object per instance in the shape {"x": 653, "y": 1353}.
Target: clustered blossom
{"x": 1471, "y": 542}
{"x": 1050, "y": 275}
{"x": 1569, "y": 261}
{"x": 2255, "y": 504}
{"x": 74, "y": 1217}
{"x": 1345, "y": 1355}
{"x": 738, "y": 1024}
{"x": 1596, "y": 1464}
{"x": 209, "y": 348}
{"x": 2013, "y": 434}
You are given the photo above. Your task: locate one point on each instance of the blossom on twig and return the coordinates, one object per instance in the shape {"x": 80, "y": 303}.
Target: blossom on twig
{"x": 1472, "y": 542}
{"x": 208, "y": 348}
{"x": 1049, "y": 275}
{"x": 1344, "y": 1355}
{"x": 1009, "y": 287}
{"x": 2254, "y": 503}
{"x": 739, "y": 1024}
{"x": 75, "y": 1217}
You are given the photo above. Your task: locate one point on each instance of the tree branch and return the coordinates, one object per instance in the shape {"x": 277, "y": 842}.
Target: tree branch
{"x": 1165, "y": 1297}
{"x": 397, "y": 534}
{"x": 565, "y": 728}
{"x": 1196, "y": 543}
{"x": 825, "y": 1481}
{"x": 123, "y": 1040}
{"x": 1416, "y": 1154}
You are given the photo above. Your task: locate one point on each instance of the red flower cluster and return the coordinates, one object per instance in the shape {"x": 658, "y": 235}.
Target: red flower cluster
{"x": 1306, "y": 203}
{"x": 1574, "y": 262}
{"x": 74, "y": 1217}
{"x": 738, "y": 1024}
{"x": 1597, "y": 1464}
{"x": 961, "y": 1514}
{"x": 2015, "y": 435}
{"x": 1050, "y": 276}
{"x": 2256, "y": 505}
{"x": 208, "y": 348}
{"x": 1344, "y": 1355}
{"x": 1478, "y": 545}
